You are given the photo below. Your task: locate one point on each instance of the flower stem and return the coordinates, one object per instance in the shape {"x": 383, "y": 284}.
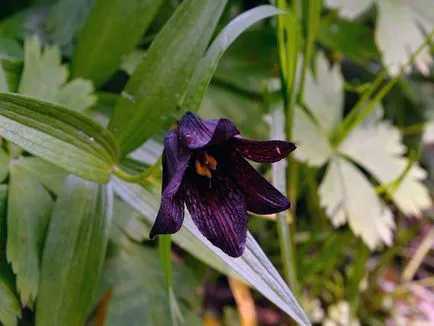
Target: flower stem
{"x": 136, "y": 178}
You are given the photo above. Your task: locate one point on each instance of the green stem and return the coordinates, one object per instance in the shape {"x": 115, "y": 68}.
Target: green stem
{"x": 136, "y": 178}
{"x": 363, "y": 109}
{"x": 288, "y": 37}
{"x": 312, "y": 24}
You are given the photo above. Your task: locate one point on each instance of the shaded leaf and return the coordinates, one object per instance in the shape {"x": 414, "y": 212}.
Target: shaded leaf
{"x": 9, "y": 304}
{"x": 253, "y": 266}
{"x": 352, "y": 39}
{"x": 74, "y": 253}
{"x": 4, "y": 165}
{"x": 156, "y": 87}
{"x": 51, "y": 176}
{"x": 3, "y": 81}
{"x": 45, "y": 77}
{"x": 348, "y": 196}
{"x": 58, "y": 135}
{"x": 139, "y": 296}
{"x": 29, "y": 209}
{"x": 132, "y": 60}
{"x": 208, "y": 64}
{"x": 244, "y": 111}
{"x": 111, "y": 22}
{"x": 65, "y": 19}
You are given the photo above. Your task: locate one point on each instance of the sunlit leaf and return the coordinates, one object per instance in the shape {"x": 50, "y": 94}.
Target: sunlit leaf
{"x": 138, "y": 296}
{"x": 29, "y": 209}
{"x": 117, "y": 25}
{"x": 349, "y": 197}
{"x": 74, "y": 253}
{"x": 45, "y": 77}
{"x": 58, "y": 135}
{"x": 415, "y": 19}
{"x": 132, "y": 60}
{"x": 156, "y": 87}
{"x": 378, "y": 148}
{"x": 253, "y": 266}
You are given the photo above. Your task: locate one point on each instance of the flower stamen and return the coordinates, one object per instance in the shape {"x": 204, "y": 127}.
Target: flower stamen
{"x": 202, "y": 169}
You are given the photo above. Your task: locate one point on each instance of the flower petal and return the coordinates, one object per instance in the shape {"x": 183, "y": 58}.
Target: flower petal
{"x": 261, "y": 196}
{"x": 219, "y": 211}
{"x": 262, "y": 151}
{"x": 197, "y": 133}
{"x": 170, "y": 216}
{"x": 176, "y": 158}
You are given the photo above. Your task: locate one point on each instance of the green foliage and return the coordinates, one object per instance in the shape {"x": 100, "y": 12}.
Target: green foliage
{"x": 74, "y": 253}
{"x": 78, "y": 199}
{"x": 156, "y": 86}
{"x": 117, "y": 36}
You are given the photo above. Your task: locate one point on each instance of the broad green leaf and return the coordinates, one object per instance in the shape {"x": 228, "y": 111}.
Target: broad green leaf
{"x": 65, "y": 19}
{"x": 9, "y": 304}
{"x": 378, "y": 148}
{"x": 113, "y": 29}
{"x": 253, "y": 266}
{"x": 348, "y": 196}
{"x": 58, "y": 135}
{"x": 203, "y": 73}
{"x": 415, "y": 19}
{"x": 29, "y": 209}
{"x": 4, "y": 165}
{"x": 127, "y": 222}
{"x": 51, "y": 176}
{"x": 155, "y": 89}
{"x": 45, "y": 77}
{"x": 244, "y": 111}
{"x": 10, "y": 48}
{"x": 138, "y": 290}
{"x": 74, "y": 253}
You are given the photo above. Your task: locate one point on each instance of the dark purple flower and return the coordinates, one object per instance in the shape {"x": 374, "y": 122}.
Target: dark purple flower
{"x": 204, "y": 167}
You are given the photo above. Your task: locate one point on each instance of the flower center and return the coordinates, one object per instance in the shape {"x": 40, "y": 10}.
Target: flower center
{"x": 204, "y": 163}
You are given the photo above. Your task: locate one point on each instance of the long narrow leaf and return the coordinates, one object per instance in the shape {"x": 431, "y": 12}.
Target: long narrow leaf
{"x": 58, "y": 135}
{"x": 74, "y": 253}
{"x": 253, "y": 266}
{"x": 208, "y": 64}
{"x": 113, "y": 29}
{"x": 155, "y": 89}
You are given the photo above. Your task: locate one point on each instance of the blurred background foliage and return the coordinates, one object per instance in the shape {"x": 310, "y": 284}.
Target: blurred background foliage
{"x": 351, "y": 82}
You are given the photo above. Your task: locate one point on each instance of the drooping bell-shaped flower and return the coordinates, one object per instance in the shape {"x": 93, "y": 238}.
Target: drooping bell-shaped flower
{"x": 204, "y": 167}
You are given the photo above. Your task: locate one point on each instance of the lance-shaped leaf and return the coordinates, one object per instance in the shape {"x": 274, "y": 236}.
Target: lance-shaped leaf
{"x": 110, "y": 23}
{"x": 253, "y": 266}
{"x": 208, "y": 64}
{"x": 58, "y": 135}
{"x": 74, "y": 253}
{"x": 9, "y": 304}
{"x": 29, "y": 209}
{"x": 156, "y": 87}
